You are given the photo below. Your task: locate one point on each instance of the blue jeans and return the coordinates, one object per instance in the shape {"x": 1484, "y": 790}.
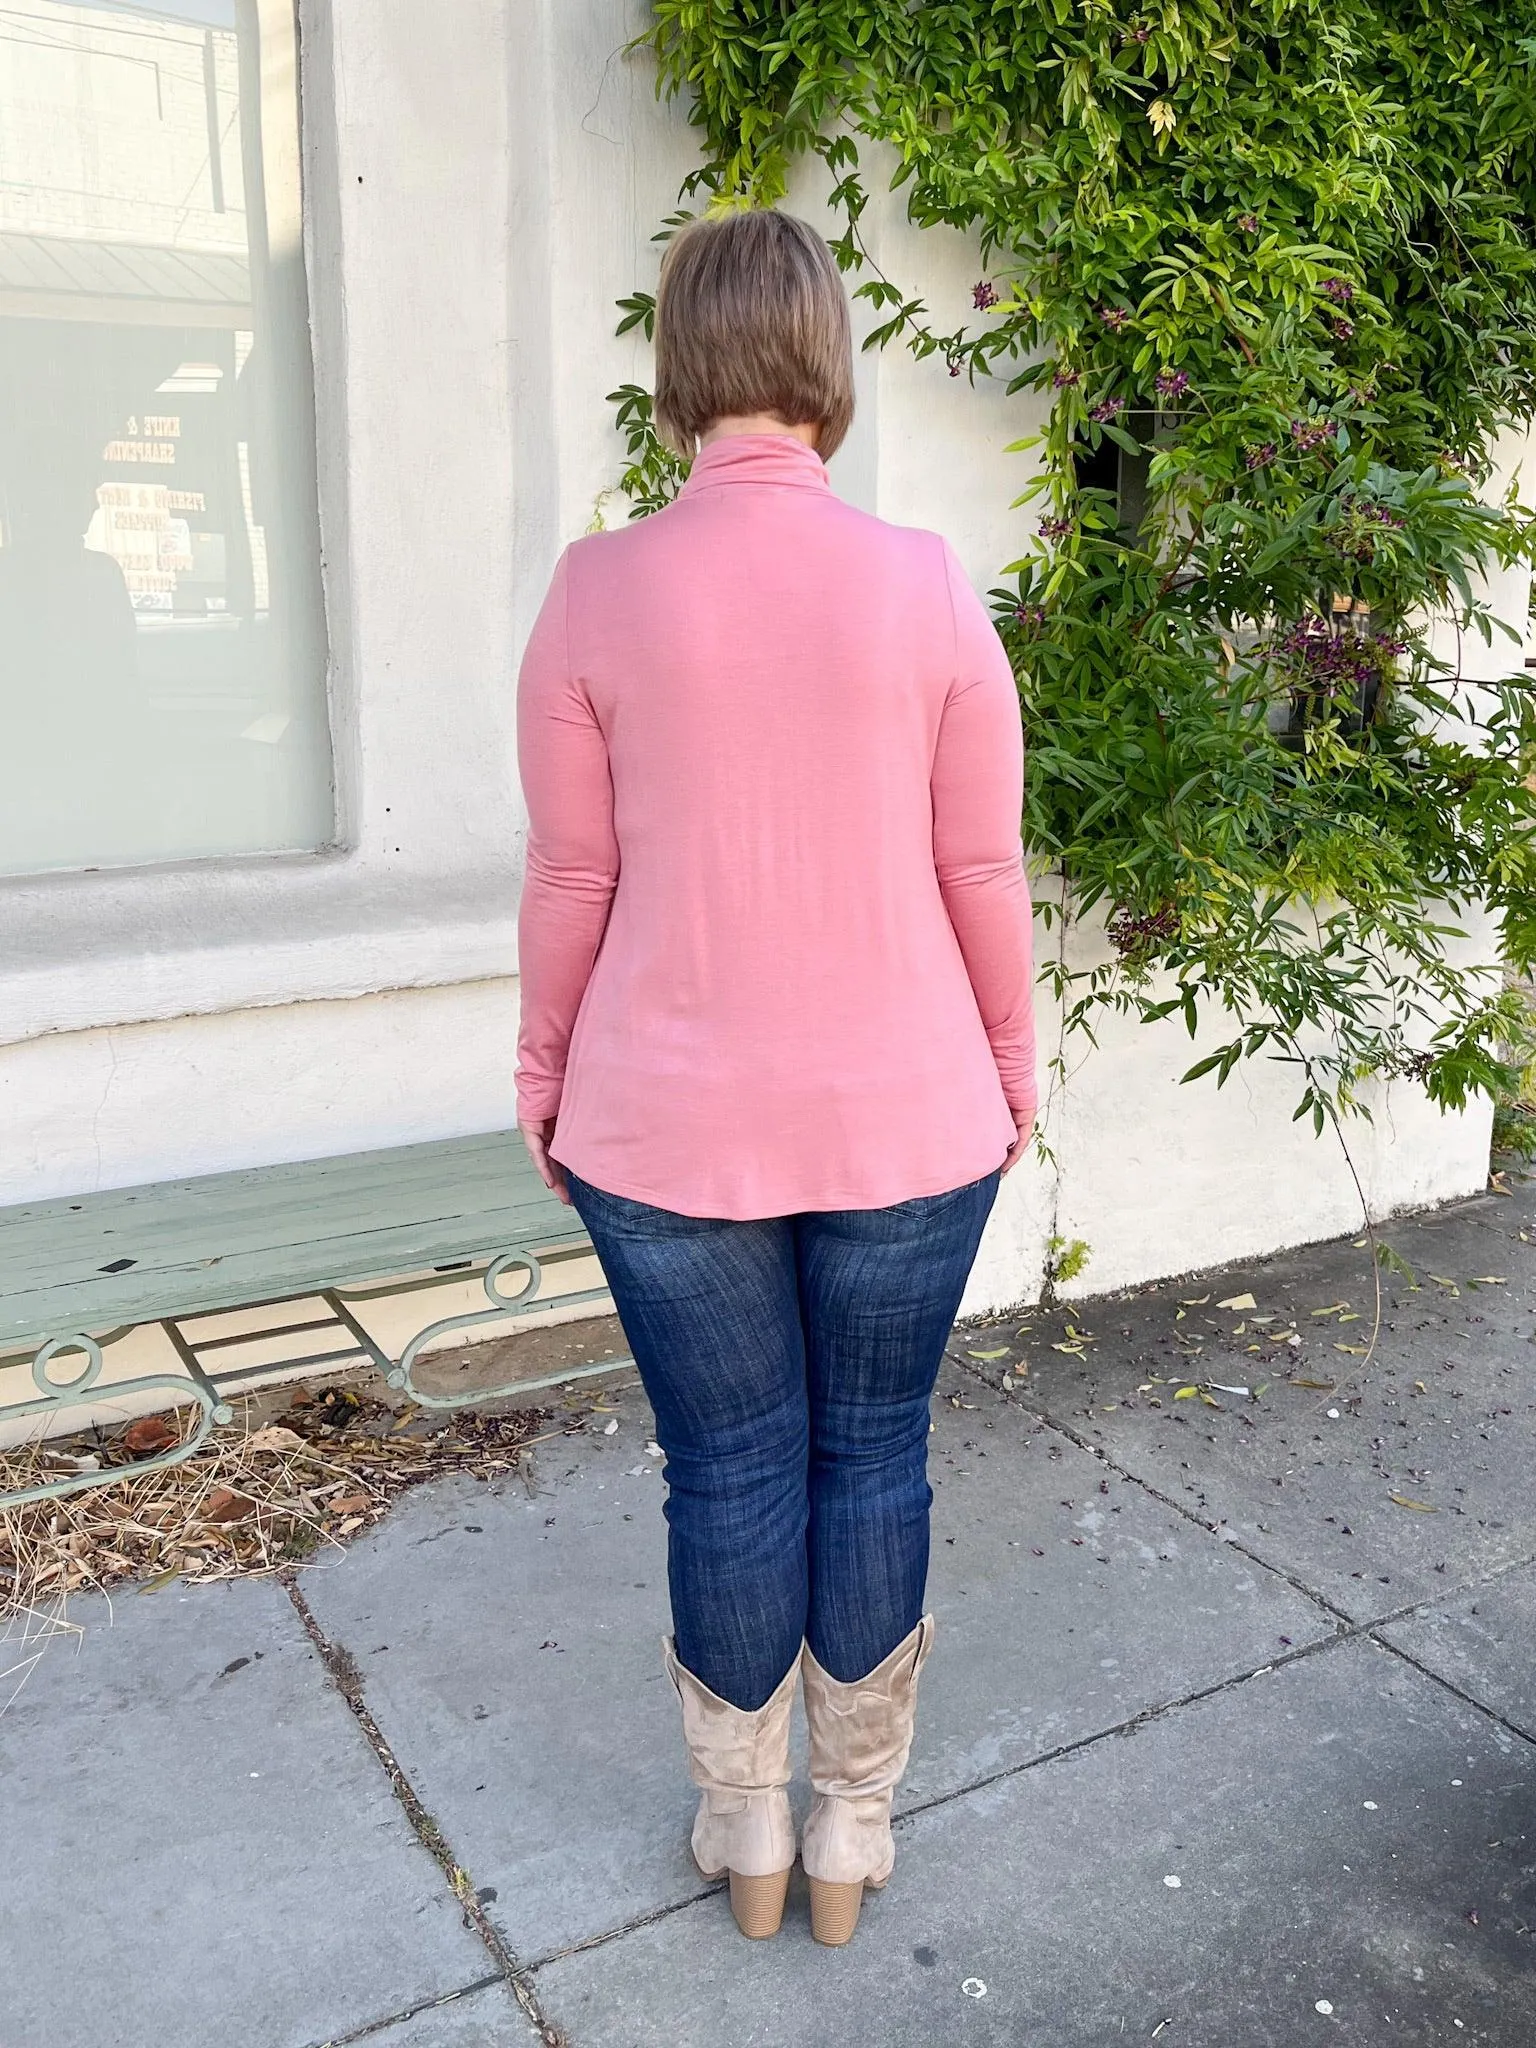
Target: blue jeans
{"x": 790, "y": 1364}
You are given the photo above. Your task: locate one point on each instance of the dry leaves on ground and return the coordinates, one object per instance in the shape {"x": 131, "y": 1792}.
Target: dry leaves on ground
{"x": 250, "y": 1501}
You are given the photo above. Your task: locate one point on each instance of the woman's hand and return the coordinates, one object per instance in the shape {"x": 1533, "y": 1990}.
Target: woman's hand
{"x": 1021, "y": 1143}
{"x": 537, "y": 1137}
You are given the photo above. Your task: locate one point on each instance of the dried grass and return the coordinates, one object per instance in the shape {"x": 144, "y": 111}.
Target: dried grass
{"x": 258, "y": 1497}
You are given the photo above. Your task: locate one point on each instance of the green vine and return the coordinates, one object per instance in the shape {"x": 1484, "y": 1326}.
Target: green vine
{"x": 1275, "y": 262}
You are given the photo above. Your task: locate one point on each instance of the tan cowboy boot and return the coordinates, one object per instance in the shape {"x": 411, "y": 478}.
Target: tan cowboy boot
{"x": 861, "y": 1735}
{"x": 740, "y": 1762}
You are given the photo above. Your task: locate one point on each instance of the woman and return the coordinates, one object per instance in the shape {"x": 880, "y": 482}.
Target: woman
{"x": 776, "y": 1041}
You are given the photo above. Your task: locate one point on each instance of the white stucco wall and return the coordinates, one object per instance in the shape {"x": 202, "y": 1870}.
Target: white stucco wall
{"x": 481, "y": 188}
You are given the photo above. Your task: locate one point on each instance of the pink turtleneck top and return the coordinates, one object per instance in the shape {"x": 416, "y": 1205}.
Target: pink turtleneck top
{"x": 775, "y": 930}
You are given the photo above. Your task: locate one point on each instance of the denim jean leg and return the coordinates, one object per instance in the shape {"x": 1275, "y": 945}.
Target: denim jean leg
{"x": 879, "y": 1291}
{"x": 711, "y": 1311}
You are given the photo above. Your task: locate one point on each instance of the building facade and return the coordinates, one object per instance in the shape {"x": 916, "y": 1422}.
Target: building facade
{"x": 307, "y": 324}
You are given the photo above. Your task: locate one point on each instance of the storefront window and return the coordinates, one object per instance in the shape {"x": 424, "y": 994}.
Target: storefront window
{"x": 162, "y": 663}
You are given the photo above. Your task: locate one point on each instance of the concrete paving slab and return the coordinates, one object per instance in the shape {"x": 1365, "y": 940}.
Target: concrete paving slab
{"x": 1068, "y": 1600}
{"x": 488, "y": 2016}
{"x": 1353, "y": 1850}
{"x": 1442, "y": 1416}
{"x": 198, "y": 1845}
{"x": 1485, "y": 1643}
{"x": 509, "y": 1647}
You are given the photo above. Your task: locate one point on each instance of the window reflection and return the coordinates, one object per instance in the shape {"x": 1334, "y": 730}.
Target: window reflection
{"x": 161, "y": 645}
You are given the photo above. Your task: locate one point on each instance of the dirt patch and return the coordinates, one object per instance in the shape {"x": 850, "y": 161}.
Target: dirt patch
{"x": 298, "y": 1472}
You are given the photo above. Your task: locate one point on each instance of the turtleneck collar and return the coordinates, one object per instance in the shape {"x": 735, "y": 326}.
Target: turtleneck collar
{"x": 757, "y": 459}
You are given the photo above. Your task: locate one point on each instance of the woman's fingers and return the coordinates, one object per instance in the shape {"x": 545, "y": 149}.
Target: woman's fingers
{"x": 533, "y": 1138}
{"x": 1020, "y": 1145}
{"x": 536, "y": 1137}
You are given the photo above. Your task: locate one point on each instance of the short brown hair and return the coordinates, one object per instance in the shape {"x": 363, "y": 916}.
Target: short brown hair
{"x": 751, "y": 317}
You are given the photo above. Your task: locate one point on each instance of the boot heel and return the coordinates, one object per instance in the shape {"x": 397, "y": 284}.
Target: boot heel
{"x": 758, "y": 1903}
{"x": 834, "y": 1911}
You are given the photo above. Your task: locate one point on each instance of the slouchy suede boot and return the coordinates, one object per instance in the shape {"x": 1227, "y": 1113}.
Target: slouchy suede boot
{"x": 740, "y": 1762}
{"x": 861, "y": 1736}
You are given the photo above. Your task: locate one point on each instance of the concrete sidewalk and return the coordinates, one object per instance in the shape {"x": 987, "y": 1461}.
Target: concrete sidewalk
{"x": 1221, "y": 1745}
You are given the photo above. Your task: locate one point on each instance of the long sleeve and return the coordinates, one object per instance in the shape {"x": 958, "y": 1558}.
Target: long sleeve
{"x": 572, "y": 855}
{"x": 978, "y": 800}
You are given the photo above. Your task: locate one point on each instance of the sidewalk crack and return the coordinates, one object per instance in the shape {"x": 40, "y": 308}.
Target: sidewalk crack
{"x": 1134, "y": 1723}
{"x": 1468, "y": 1699}
{"x": 410, "y": 2012}
{"x": 641, "y": 1920}
{"x": 1131, "y": 1725}
{"x": 1338, "y": 1614}
{"x": 347, "y": 1678}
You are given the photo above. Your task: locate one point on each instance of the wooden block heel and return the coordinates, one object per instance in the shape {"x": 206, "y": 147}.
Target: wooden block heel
{"x": 758, "y": 1903}
{"x": 834, "y": 1911}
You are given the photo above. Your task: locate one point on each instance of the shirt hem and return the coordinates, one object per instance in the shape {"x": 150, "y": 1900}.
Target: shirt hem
{"x": 633, "y": 1191}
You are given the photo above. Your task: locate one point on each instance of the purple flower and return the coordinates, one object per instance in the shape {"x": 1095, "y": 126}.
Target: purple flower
{"x": 954, "y": 369}
{"x": 1172, "y": 383}
{"x": 1065, "y": 377}
{"x": 1343, "y": 330}
{"x": 1114, "y": 317}
{"x": 1055, "y": 527}
{"x": 1131, "y": 935}
{"x": 1107, "y": 409}
{"x": 1366, "y": 521}
{"x": 1328, "y": 664}
{"x": 984, "y": 295}
{"x": 1339, "y": 289}
{"x": 1031, "y": 616}
{"x": 1310, "y": 435}
{"x": 1249, "y": 223}
{"x": 1140, "y": 34}
{"x": 1260, "y": 457}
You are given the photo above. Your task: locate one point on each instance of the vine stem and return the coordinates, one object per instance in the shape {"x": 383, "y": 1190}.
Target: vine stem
{"x": 1365, "y": 1211}
{"x": 1059, "y": 1079}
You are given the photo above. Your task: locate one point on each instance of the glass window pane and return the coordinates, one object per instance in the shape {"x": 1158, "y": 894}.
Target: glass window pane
{"x": 162, "y": 662}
